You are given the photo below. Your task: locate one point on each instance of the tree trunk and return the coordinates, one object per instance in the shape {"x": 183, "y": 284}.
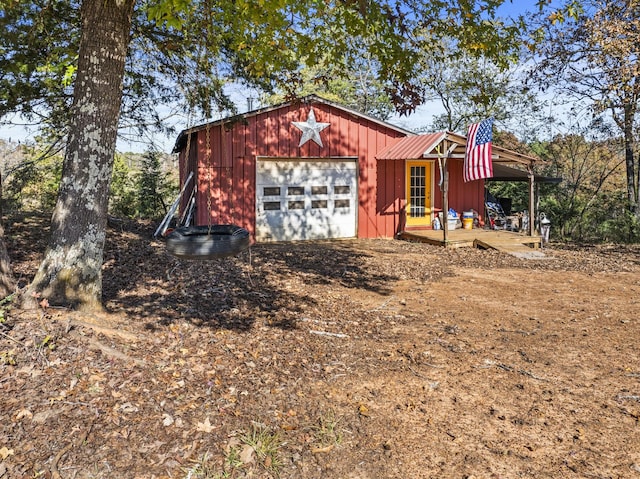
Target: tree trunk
{"x": 632, "y": 187}
{"x": 70, "y": 273}
{"x": 7, "y": 280}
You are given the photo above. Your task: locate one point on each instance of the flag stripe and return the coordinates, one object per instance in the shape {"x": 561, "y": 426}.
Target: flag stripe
{"x": 477, "y": 159}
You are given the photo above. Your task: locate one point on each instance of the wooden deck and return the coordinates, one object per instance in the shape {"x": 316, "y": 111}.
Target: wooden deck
{"x": 516, "y": 244}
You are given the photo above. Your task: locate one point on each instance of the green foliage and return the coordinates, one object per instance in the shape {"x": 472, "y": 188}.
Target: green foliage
{"x": 259, "y": 443}
{"x": 266, "y": 444}
{"x": 140, "y": 188}
{"x": 122, "y": 195}
{"x": 5, "y": 306}
{"x": 182, "y": 50}
{"x": 328, "y": 431}
{"x": 607, "y": 221}
{"x": 590, "y": 203}
{"x": 38, "y": 56}
{"x": 153, "y": 186}
{"x": 471, "y": 89}
{"x": 518, "y": 192}
{"x": 33, "y": 183}
{"x": 589, "y": 51}
{"x": 203, "y": 469}
{"x": 360, "y": 91}
{"x": 619, "y": 225}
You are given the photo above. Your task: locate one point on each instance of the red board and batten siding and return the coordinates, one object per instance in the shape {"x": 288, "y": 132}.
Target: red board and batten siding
{"x": 226, "y": 173}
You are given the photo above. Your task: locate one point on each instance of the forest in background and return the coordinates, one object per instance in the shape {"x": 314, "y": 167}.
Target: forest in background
{"x": 143, "y": 185}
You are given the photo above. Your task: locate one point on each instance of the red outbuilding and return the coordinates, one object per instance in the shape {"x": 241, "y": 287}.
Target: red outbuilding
{"x": 312, "y": 169}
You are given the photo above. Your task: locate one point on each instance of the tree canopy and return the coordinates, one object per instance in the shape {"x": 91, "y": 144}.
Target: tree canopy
{"x": 184, "y": 52}
{"x": 592, "y": 56}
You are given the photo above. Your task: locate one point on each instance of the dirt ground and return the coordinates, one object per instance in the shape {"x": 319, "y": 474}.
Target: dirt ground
{"x": 349, "y": 359}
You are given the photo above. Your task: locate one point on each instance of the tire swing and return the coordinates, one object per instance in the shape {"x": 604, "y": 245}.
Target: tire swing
{"x": 208, "y": 241}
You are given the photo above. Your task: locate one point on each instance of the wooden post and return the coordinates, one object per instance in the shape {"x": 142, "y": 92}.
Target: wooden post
{"x": 445, "y": 201}
{"x": 443, "y": 154}
{"x": 449, "y": 147}
{"x": 532, "y": 206}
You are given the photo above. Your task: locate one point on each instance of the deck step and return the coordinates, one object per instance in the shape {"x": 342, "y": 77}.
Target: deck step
{"x": 519, "y": 249}
{"x": 515, "y": 244}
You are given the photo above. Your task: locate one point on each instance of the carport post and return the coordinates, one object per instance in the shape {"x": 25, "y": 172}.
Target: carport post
{"x": 532, "y": 204}
{"x": 444, "y": 174}
{"x": 445, "y": 201}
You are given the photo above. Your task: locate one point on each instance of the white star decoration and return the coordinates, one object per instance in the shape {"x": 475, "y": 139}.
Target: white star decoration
{"x": 310, "y": 129}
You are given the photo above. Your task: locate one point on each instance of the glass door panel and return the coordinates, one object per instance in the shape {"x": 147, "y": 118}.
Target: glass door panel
{"x": 419, "y": 193}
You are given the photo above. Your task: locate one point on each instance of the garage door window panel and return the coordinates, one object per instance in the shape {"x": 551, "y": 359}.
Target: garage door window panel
{"x": 271, "y": 191}
{"x": 271, "y": 206}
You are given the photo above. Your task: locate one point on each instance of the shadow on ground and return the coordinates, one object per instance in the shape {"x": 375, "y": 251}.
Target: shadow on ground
{"x": 142, "y": 280}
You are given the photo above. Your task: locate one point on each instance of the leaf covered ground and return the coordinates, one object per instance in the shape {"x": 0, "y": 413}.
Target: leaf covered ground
{"x": 347, "y": 359}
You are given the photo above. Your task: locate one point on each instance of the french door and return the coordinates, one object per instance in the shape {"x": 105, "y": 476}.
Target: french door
{"x": 419, "y": 192}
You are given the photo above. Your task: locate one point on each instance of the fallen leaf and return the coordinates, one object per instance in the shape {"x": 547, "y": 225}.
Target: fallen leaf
{"x": 167, "y": 420}
{"x": 205, "y": 426}
{"x": 128, "y": 407}
{"x": 44, "y": 416}
{"x": 247, "y": 454}
{"x": 4, "y": 452}
{"x": 23, "y": 413}
{"x": 52, "y": 400}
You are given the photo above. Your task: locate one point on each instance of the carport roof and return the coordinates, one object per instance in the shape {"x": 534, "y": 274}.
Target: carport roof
{"x": 416, "y": 147}
{"x": 426, "y": 146}
{"x": 502, "y": 172}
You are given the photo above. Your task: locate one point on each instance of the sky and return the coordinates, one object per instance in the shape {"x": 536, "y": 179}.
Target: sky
{"x": 421, "y": 118}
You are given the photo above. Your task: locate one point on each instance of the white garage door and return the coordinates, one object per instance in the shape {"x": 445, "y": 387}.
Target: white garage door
{"x": 306, "y": 199}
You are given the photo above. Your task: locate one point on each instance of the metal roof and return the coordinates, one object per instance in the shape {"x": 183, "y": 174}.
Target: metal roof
{"x": 411, "y": 147}
{"x": 424, "y": 146}
{"x": 502, "y": 172}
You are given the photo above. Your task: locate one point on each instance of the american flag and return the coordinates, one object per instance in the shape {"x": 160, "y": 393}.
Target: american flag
{"x": 477, "y": 158}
